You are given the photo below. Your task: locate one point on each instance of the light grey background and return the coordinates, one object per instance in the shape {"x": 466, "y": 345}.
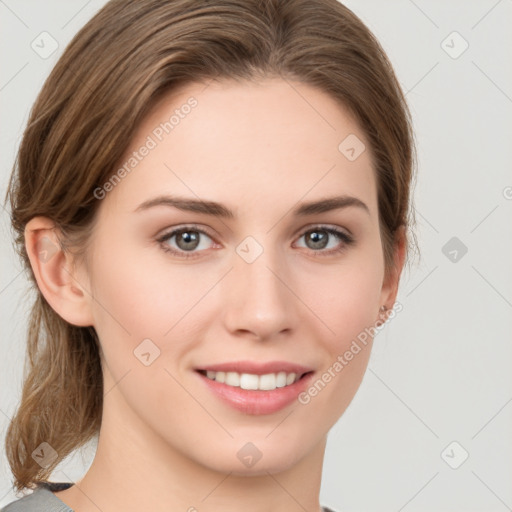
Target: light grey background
{"x": 440, "y": 371}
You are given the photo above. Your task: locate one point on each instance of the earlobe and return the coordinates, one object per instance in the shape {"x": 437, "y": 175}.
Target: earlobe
{"x": 53, "y": 270}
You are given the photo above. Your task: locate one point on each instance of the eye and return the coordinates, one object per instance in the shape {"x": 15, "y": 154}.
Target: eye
{"x": 320, "y": 237}
{"x": 186, "y": 240}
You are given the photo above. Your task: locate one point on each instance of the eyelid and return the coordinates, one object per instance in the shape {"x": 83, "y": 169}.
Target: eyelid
{"x": 297, "y": 233}
{"x": 192, "y": 227}
{"x": 320, "y": 225}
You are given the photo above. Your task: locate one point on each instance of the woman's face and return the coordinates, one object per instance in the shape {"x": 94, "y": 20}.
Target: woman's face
{"x": 257, "y": 283}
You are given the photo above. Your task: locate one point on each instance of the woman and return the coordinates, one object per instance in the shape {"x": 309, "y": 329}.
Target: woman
{"x": 212, "y": 201}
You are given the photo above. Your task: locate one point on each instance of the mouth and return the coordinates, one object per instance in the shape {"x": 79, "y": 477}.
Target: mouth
{"x": 252, "y": 381}
{"x": 256, "y": 388}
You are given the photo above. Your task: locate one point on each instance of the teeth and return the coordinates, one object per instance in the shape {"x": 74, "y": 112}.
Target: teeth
{"x": 265, "y": 382}
{"x": 232, "y": 379}
{"x": 290, "y": 378}
{"x": 281, "y": 380}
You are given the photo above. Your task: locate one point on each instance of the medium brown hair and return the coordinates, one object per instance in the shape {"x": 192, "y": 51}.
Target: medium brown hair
{"x": 107, "y": 79}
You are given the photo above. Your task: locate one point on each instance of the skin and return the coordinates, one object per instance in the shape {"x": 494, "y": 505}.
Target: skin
{"x": 166, "y": 442}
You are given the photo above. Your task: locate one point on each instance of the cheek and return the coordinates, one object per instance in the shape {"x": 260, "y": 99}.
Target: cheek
{"x": 136, "y": 301}
{"x": 346, "y": 299}
{"x": 347, "y": 305}
{"x": 145, "y": 297}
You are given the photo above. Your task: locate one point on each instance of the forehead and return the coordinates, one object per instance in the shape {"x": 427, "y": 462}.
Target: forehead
{"x": 244, "y": 142}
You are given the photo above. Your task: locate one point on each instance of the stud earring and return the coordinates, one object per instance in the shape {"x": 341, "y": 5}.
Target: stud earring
{"x": 383, "y": 316}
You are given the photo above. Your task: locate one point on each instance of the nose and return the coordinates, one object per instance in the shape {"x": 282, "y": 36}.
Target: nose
{"x": 258, "y": 297}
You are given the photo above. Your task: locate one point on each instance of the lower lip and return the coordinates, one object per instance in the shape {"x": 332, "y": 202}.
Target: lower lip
{"x": 252, "y": 401}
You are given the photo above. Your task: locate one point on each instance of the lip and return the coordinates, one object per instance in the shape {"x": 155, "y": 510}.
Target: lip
{"x": 257, "y": 402}
{"x": 257, "y": 368}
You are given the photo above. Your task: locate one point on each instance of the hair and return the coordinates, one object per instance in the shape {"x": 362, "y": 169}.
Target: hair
{"x": 83, "y": 120}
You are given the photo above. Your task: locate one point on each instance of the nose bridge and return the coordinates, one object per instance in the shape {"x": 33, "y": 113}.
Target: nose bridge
{"x": 258, "y": 300}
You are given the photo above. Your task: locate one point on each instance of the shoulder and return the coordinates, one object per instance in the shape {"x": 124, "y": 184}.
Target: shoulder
{"x": 41, "y": 499}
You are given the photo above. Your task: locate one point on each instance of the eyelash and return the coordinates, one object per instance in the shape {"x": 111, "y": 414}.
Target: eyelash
{"x": 341, "y": 235}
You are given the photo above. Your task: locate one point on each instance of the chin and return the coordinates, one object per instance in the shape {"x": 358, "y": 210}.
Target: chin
{"x": 258, "y": 457}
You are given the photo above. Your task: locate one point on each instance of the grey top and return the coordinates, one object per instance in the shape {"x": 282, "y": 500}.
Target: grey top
{"x": 42, "y": 499}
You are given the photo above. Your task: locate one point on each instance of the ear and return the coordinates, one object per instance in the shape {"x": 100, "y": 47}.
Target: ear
{"x": 65, "y": 291}
{"x": 391, "y": 281}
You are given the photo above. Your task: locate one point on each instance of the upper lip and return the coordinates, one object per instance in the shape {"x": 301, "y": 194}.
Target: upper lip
{"x": 256, "y": 368}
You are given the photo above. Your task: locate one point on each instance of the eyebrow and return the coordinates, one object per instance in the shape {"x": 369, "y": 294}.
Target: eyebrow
{"x": 219, "y": 210}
